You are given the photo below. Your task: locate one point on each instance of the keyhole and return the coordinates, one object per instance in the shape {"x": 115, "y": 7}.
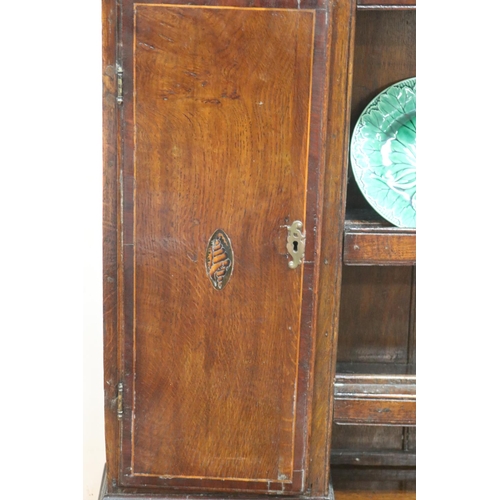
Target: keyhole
{"x": 295, "y": 246}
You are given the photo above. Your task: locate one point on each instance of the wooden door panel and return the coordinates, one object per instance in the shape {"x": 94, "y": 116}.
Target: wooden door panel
{"x": 221, "y": 126}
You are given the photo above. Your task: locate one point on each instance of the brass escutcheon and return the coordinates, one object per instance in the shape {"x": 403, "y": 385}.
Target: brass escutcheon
{"x": 296, "y": 244}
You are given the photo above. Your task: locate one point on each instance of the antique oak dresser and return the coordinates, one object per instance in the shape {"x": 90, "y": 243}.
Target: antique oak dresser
{"x": 226, "y": 129}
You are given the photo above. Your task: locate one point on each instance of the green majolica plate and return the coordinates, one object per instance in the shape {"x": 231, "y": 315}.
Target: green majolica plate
{"x": 384, "y": 153}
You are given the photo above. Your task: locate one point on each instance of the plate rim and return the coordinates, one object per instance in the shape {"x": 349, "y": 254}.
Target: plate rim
{"x": 351, "y": 149}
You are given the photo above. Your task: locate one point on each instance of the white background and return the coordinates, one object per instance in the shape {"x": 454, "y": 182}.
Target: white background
{"x": 51, "y": 398}
{"x": 51, "y": 418}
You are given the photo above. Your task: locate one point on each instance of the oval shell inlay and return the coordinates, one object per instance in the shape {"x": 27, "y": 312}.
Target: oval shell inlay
{"x": 219, "y": 259}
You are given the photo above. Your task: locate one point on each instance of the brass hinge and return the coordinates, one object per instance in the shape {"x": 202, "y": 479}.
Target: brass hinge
{"x": 119, "y": 401}
{"x": 119, "y": 93}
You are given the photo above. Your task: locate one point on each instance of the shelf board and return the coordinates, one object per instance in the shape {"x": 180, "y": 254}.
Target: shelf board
{"x": 372, "y": 241}
{"x": 373, "y": 458}
{"x": 375, "y": 399}
{"x": 386, "y": 4}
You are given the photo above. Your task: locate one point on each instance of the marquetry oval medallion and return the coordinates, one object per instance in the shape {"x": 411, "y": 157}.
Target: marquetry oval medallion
{"x": 219, "y": 259}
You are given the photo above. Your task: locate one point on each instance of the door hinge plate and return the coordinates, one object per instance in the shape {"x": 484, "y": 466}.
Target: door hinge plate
{"x": 119, "y": 401}
{"x": 119, "y": 84}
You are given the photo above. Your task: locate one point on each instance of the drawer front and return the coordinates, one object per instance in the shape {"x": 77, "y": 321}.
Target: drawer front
{"x": 222, "y": 126}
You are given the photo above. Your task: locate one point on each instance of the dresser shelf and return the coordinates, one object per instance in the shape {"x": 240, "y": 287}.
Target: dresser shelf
{"x": 386, "y": 4}
{"x": 372, "y": 241}
{"x": 375, "y": 399}
{"x": 376, "y": 458}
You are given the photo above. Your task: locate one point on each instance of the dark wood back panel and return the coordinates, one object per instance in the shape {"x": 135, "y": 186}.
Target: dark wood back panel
{"x": 367, "y": 437}
{"x": 375, "y": 315}
{"x": 384, "y": 54}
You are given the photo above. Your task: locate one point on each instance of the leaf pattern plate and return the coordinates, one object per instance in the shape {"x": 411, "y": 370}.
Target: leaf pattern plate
{"x": 384, "y": 153}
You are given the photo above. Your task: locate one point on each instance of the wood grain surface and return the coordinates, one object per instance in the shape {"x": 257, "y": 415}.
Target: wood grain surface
{"x": 375, "y": 412}
{"x": 370, "y": 240}
{"x": 379, "y": 247}
{"x": 223, "y": 119}
{"x": 110, "y": 236}
{"x": 340, "y": 74}
{"x": 375, "y": 399}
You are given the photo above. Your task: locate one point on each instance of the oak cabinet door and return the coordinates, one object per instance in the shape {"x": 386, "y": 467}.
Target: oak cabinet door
{"x": 222, "y": 126}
